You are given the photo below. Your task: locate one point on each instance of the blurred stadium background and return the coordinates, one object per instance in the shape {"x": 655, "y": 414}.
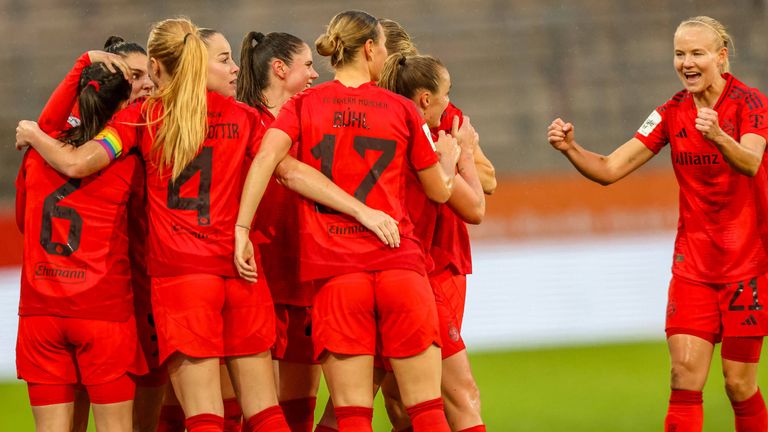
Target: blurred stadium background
{"x": 566, "y": 306}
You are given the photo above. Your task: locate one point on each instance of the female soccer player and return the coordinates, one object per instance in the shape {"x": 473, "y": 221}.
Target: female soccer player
{"x": 717, "y": 131}
{"x": 135, "y": 56}
{"x": 426, "y": 82}
{"x": 275, "y": 67}
{"x": 364, "y": 139}
{"x": 76, "y": 324}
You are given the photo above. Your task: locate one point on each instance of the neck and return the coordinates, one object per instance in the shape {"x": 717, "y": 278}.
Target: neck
{"x": 708, "y": 98}
{"x": 275, "y": 97}
{"x": 354, "y": 74}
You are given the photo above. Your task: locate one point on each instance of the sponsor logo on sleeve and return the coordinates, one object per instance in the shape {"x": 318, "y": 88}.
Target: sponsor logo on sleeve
{"x": 650, "y": 124}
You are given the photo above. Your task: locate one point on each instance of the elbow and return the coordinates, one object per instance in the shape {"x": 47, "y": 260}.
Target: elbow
{"x": 439, "y": 196}
{"x": 76, "y": 171}
{"x": 489, "y": 185}
{"x": 475, "y": 217}
{"x": 285, "y": 175}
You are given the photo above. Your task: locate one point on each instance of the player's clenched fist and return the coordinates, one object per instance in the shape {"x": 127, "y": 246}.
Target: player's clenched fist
{"x": 707, "y": 123}
{"x": 25, "y": 131}
{"x": 560, "y": 135}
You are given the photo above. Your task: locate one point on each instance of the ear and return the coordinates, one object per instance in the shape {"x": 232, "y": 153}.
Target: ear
{"x": 368, "y": 48}
{"x": 722, "y": 57}
{"x": 424, "y": 99}
{"x": 154, "y": 66}
{"x": 278, "y": 68}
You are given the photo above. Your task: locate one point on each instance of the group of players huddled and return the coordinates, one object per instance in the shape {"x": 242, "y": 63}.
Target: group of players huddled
{"x": 188, "y": 221}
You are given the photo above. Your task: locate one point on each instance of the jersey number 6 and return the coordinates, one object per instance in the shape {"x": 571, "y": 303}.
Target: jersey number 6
{"x": 52, "y": 209}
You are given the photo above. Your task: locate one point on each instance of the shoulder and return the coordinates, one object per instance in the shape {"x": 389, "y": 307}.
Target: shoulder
{"x": 742, "y": 93}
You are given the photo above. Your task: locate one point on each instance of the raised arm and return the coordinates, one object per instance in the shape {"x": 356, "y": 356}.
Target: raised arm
{"x": 596, "y": 167}
{"x": 468, "y": 198}
{"x": 437, "y": 180}
{"x": 74, "y": 162}
{"x": 744, "y": 156}
{"x": 312, "y": 184}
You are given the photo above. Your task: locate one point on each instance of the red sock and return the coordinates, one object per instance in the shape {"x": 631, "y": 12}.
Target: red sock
{"x": 233, "y": 415}
{"x": 685, "y": 412}
{"x": 354, "y": 418}
{"x": 268, "y": 420}
{"x": 751, "y": 415}
{"x": 321, "y": 428}
{"x": 408, "y": 429}
{"x": 428, "y": 416}
{"x": 299, "y": 413}
{"x": 478, "y": 428}
{"x": 171, "y": 419}
{"x": 205, "y": 423}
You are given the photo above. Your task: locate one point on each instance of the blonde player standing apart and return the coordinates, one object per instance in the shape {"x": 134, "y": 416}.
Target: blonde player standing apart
{"x": 363, "y": 138}
{"x": 717, "y": 130}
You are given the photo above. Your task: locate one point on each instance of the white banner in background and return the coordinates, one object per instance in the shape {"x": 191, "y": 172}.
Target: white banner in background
{"x": 522, "y": 294}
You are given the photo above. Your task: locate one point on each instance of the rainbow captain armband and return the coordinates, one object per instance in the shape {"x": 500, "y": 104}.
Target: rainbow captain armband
{"x": 110, "y": 140}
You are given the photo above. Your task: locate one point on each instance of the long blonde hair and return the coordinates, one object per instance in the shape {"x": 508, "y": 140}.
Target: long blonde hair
{"x": 181, "y": 106}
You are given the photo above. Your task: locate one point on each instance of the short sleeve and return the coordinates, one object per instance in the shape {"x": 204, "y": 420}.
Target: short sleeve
{"x": 753, "y": 115}
{"x": 288, "y": 119}
{"x": 56, "y": 113}
{"x": 121, "y": 134}
{"x": 421, "y": 151}
{"x": 653, "y": 131}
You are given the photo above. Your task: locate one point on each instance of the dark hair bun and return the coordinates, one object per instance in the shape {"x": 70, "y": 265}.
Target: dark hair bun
{"x": 113, "y": 40}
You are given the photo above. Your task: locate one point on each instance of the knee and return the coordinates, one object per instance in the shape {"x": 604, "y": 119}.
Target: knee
{"x": 463, "y": 394}
{"x": 739, "y": 387}
{"x": 685, "y": 375}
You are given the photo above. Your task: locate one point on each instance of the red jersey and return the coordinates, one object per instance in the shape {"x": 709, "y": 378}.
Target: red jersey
{"x": 720, "y": 237}
{"x": 364, "y": 139}
{"x": 451, "y": 246}
{"x": 55, "y": 116}
{"x": 76, "y": 241}
{"x": 192, "y": 219}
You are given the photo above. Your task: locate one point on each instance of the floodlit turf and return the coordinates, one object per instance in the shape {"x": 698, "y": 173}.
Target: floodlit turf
{"x": 597, "y": 388}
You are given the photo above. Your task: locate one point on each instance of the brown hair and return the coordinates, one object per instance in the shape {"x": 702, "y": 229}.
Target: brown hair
{"x": 345, "y": 35}
{"x": 398, "y": 40}
{"x": 407, "y": 75}
{"x": 181, "y": 105}
{"x": 256, "y": 56}
{"x": 723, "y": 39}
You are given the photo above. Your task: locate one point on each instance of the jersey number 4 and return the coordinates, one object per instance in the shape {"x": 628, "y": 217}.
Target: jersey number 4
{"x": 325, "y": 151}
{"x": 52, "y": 209}
{"x": 203, "y": 164}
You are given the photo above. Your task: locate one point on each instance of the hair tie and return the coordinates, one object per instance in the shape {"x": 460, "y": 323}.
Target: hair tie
{"x": 95, "y": 85}
{"x": 185, "y": 38}
{"x": 401, "y": 62}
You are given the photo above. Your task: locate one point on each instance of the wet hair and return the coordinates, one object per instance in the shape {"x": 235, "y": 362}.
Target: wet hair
{"x": 723, "y": 38}
{"x": 398, "y": 40}
{"x": 345, "y": 35}
{"x": 256, "y": 56}
{"x": 100, "y": 93}
{"x": 407, "y": 75}
{"x": 180, "y": 107}
{"x": 118, "y": 45}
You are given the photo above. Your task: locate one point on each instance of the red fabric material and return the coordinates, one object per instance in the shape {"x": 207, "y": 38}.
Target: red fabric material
{"x": 428, "y": 416}
{"x": 321, "y": 428}
{"x": 205, "y": 423}
{"x": 685, "y": 412}
{"x": 233, "y": 416}
{"x": 742, "y": 349}
{"x": 478, "y": 428}
{"x": 171, "y": 419}
{"x": 354, "y": 419}
{"x": 750, "y": 414}
{"x": 299, "y": 413}
{"x": 50, "y": 394}
{"x": 268, "y": 420}
{"x": 120, "y": 390}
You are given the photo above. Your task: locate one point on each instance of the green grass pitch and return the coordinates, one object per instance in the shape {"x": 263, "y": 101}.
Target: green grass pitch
{"x": 616, "y": 387}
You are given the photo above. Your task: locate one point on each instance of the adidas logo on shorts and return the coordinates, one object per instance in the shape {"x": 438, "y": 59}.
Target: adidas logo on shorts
{"x": 750, "y": 321}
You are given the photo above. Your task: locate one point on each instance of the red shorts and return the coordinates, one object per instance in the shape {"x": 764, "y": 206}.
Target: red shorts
{"x": 398, "y": 306}
{"x": 203, "y": 316}
{"x": 450, "y": 292}
{"x": 60, "y": 351}
{"x": 714, "y": 311}
{"x": 294, "y": 334}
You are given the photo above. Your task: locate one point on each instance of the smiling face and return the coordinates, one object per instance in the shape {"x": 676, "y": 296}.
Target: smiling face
{"x": 300, "y": 74}
{"x": 438, "y": 100}
{"x": 699, "y": 57}
{"x": 222, "y": 70}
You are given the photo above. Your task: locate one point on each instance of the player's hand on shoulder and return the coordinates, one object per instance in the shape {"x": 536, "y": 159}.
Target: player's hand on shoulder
{"x": 25, "y": 133}
{"x": 560, "y": 135}
{"x": 447, "y": 148}
{"x": 113, "y": 62}
{"x": 707, "y": 123}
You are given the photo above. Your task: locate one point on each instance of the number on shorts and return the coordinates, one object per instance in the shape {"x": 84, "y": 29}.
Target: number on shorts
{"x": 755, "y": 306}
{"x": 52, "y": 209}
{"x": 203, "y": 164}
{"x": 324, "y": 151}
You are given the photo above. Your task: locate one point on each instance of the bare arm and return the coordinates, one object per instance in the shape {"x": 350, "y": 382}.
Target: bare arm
{"x": 596, "y": 167}
{"x": 467, "y": 199}
{"x": 744, "y": 156}
{"x": 74, "y": 162}
{"x": 485, "y": 171}
{"x": 310, "y": 183}
{"x": 437, "y": 180}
